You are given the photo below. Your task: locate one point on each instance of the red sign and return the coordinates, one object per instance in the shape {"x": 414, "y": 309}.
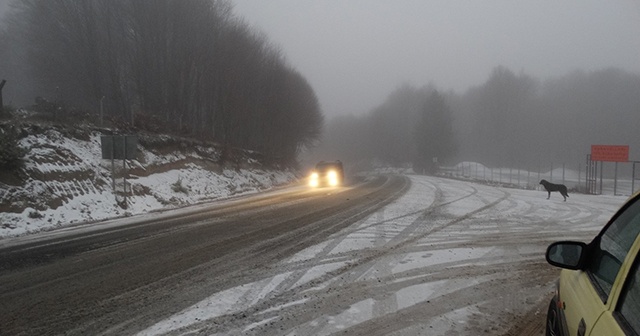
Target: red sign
{"x": 609, "y": 153}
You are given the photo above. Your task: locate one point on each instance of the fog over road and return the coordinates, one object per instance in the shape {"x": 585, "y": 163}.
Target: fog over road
{"x": 399, "y": 255}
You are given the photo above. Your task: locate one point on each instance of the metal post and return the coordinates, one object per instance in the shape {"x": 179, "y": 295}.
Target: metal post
{"x": 601, "y": 169}
{"x": 518, "y": 177}
{"x": 476, "y": 170}
{"x": 615, "y": 179}
{"x": 587, "y": 174}
{"x": 633, "y": 178}
{"x": 113, "y": 166}
{"x": 539, "y": 169}
{"x": 579, "y": 172}
{"x": 593, "y": 182}
{"x": 124, "y": 167}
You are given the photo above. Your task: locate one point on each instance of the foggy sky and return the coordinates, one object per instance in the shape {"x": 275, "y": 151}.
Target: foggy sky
{"x": 355, "y": 52}
{"x": 3, "y": 7}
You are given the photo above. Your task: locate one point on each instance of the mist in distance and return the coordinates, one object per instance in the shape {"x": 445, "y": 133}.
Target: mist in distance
{"x": 512, "y": 120}
{"x": 527, "y": 83}
{"x": 513, "y": 82}
{"x": 354, "y": 53}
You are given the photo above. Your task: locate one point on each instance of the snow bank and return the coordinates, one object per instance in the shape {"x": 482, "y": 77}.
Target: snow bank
{"x": 65, "y": 180}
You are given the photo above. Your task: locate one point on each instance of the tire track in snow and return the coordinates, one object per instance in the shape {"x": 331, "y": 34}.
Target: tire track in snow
{"x": 274, "y": 297}
{"x": 297, "y": 275}
{"x": 388, "y": 253}
{"x": 337, "y": 295}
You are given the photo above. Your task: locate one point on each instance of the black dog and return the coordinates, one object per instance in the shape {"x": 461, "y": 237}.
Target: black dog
{"x": 555, "y": 187}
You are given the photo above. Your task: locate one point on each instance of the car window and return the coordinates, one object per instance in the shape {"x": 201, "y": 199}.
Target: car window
{"x": 629, "y": 306}
{"x": 612, "y": 247}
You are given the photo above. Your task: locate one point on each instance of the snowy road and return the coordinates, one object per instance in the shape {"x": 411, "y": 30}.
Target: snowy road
{"x": 445, "y": 258}
{"x": 448, "y": 258}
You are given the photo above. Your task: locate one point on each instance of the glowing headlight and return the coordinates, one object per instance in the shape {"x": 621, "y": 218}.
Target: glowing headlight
{"x": 332, "y": 176}
{"x": 313, "y": 179}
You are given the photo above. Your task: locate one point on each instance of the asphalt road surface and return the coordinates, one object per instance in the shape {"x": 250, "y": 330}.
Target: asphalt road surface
{"x": 399, "y": 255}
{"x": 117, "y": 280}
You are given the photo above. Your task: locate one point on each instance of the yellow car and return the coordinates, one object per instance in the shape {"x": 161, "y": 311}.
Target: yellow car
{"x": 598, "y": 292}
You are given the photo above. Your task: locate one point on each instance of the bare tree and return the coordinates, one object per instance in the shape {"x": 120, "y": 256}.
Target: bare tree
{"x": 185, "y": 66}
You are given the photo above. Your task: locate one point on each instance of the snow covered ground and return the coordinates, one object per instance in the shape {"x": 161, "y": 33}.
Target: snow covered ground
{"x": 449, "y": 257}
{"x": 68, "y": 182}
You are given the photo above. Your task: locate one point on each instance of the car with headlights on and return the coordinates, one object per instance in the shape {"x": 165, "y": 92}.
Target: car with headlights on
{"x": 598, "y": 292}
{"x": 327, "y": 174}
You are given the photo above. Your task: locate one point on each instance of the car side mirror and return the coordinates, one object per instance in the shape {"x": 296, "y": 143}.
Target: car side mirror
{"x": 567, "y": 254}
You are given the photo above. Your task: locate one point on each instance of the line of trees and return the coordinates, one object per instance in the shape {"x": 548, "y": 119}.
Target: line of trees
{"x": 511, "y": 120}
{"x": 412, "y": 127}
{"x": 515, "y": 120}
{"x": 187, "y": 66}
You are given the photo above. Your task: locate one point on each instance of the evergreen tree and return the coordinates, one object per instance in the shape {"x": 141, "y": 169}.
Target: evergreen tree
{"x": 434, "y": 134}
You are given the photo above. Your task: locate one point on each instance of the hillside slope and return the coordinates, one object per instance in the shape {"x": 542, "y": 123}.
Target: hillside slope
{"x": 64, "y": 179}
